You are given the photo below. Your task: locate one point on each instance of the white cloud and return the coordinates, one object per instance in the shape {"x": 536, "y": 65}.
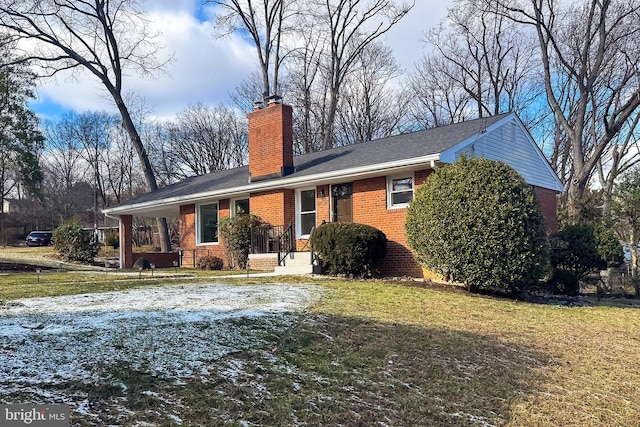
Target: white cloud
{"x": 206, "y": 68}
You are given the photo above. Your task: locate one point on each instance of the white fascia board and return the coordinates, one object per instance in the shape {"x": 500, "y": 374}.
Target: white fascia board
{"x": 449, "y": 155}
{"x": 290, "y": 183}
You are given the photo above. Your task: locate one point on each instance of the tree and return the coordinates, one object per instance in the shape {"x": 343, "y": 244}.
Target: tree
{"x": 20, "y": 138}
{"x": 584, "y": 249}
{"x": 625, "y": 212}
{"x": 589, "y": 53}
{"x": 205, "y": 140}
{"x": 63, "y": 167}
{"x": 482, "y": 65}
{"x": 265, "y": 22}
{"x": 103, "y": 37}
{"x": 478, "y": 222}
{"x": 350, "y": 26}
{"x": 370, "y": 108}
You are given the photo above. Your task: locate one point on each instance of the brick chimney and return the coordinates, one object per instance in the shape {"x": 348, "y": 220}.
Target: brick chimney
{"x": 270, "y": 140}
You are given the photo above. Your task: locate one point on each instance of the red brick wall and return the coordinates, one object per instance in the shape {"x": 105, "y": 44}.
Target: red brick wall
{"x": 270, "y": 140}
{"x": 270, "y": 206}
{"x": 267, "y": 262}
{"x": 188, "y": 234}
{"x": 159, "y": 259}
{"x": 548, "y": 200}
{"x": 370, "y": 207}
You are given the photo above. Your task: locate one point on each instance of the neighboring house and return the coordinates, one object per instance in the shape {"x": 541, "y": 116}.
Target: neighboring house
{"x": 370, "y": 183}
{"x": 10, "y": 206}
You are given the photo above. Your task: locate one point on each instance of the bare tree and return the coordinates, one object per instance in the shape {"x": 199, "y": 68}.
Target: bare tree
{"x": 206, "y": 139}
{"x": 308, "y": 88}
{"x": 104, "y": 37}
{"x": 435, "y": 98}
{"x": 369, "y": 107}
{"x": 63, "y": 166}
{"x": 621, "y": 155}
{"x": 265, "y": 22}
{"x": 589, "y": 53}
{"x": 480, "y": 58}
{"x": 350, "y": 25}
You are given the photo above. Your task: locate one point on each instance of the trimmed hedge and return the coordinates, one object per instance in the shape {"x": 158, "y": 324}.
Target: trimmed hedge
{"x": 351, "y": 249}
{"x": 478, "y": 222}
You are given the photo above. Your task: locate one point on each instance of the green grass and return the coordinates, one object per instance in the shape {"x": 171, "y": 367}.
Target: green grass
{"x": 372, "y": 352}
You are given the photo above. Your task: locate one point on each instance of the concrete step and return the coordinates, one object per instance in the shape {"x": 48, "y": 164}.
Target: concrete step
{"x": 296, "y": 263}
{"x": 285, "y": 270}
{"x": 298, "y": 259}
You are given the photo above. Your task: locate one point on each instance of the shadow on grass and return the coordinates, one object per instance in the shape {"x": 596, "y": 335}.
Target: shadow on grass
{"x": 328, "y": 370}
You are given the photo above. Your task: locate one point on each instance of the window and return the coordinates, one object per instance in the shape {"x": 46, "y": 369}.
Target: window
{"x": 208, "y": 224}
{"x": 305, "y": 212}
{"x": 399, "y": 191}
{"x": 239, "y": 206}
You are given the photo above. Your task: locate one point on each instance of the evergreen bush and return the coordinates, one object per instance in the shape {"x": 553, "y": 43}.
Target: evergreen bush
{"x": 563, "y": 282}
{"x": 236, "y": 237}
{"x": 351, "y": 249}
{"x": 478, "y": 222}
{"x": 74, "y": 243}
{"x": 584, "y": 249}
{"x": 210, "y": 262}
{"x": 112, "y": 239}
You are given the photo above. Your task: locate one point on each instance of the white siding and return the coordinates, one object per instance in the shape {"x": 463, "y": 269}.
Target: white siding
{"x": 509, "y": 142}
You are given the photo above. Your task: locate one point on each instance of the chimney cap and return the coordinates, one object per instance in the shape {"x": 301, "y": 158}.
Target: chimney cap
{"x": 258, "y": 105}
{"x": 274, "y": 99}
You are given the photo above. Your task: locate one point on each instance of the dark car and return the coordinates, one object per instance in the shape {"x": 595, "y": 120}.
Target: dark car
{"x": 39, "y": 238}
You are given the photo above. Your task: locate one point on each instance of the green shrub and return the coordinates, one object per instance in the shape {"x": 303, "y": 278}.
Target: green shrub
{"x": 112, "y": 239}
{"x": 563, "y": 282}
{"x": 478, "y": 222}
{"x": 210, "y": 262}
{"x": 584, "y": 249}
{"x": 351, "y": 249}
{"x": 236, "y": 237}
{"x": 74, "y": 243}
{"x": 609, "y": 248}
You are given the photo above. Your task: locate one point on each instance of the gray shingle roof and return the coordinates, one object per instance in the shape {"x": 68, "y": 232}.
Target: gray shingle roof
{"x": 406, "y": 146}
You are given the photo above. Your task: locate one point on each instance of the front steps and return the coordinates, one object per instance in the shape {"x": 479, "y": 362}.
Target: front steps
{"x": 296, "y": 263}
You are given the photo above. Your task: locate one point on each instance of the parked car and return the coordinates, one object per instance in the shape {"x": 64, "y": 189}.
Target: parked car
{"x": 39, "y": 238}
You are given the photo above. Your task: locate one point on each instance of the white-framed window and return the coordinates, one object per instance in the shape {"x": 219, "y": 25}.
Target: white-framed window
{"x": 207, "y": 224}
{"x": 305, "y": 212}
{"x": 239, "y": 206}
{"x": 399, "y": 190}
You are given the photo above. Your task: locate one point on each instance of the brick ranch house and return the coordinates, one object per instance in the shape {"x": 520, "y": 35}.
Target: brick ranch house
{"x": 370, "y": 183}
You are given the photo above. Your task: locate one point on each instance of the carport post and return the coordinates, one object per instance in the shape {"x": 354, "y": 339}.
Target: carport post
{"x": 126, "y": 241}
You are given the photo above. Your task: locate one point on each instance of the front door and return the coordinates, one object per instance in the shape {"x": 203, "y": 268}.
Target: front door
{"x": 342, "y": 197}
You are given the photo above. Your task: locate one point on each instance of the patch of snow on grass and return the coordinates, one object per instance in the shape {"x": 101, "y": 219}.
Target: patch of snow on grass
{"x": 171, "y": 331}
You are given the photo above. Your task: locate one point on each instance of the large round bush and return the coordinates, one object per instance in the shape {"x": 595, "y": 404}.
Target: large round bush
{"x": 478, "y": 222}
{"x": 75, "y": 243}
{"x": 348, "y": 248}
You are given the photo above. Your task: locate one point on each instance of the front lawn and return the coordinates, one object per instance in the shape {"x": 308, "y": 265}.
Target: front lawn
{"x": 354, "y": 353}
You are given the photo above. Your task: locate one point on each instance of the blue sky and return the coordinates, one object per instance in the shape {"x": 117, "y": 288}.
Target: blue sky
{"x": 205, "y": 68}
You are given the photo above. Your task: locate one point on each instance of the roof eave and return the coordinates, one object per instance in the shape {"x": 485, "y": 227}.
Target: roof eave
{"x": 170, "y": 206}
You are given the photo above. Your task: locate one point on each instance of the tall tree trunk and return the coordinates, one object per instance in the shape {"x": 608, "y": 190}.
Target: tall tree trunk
{"x": 127, "y": 123}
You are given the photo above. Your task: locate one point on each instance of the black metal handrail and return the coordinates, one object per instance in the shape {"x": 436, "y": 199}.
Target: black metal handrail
{"x": 269, "y": 239}
{"x": 287, "y": 244}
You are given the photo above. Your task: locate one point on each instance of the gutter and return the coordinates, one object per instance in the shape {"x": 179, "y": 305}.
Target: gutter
{"x": 317, "y": 179}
